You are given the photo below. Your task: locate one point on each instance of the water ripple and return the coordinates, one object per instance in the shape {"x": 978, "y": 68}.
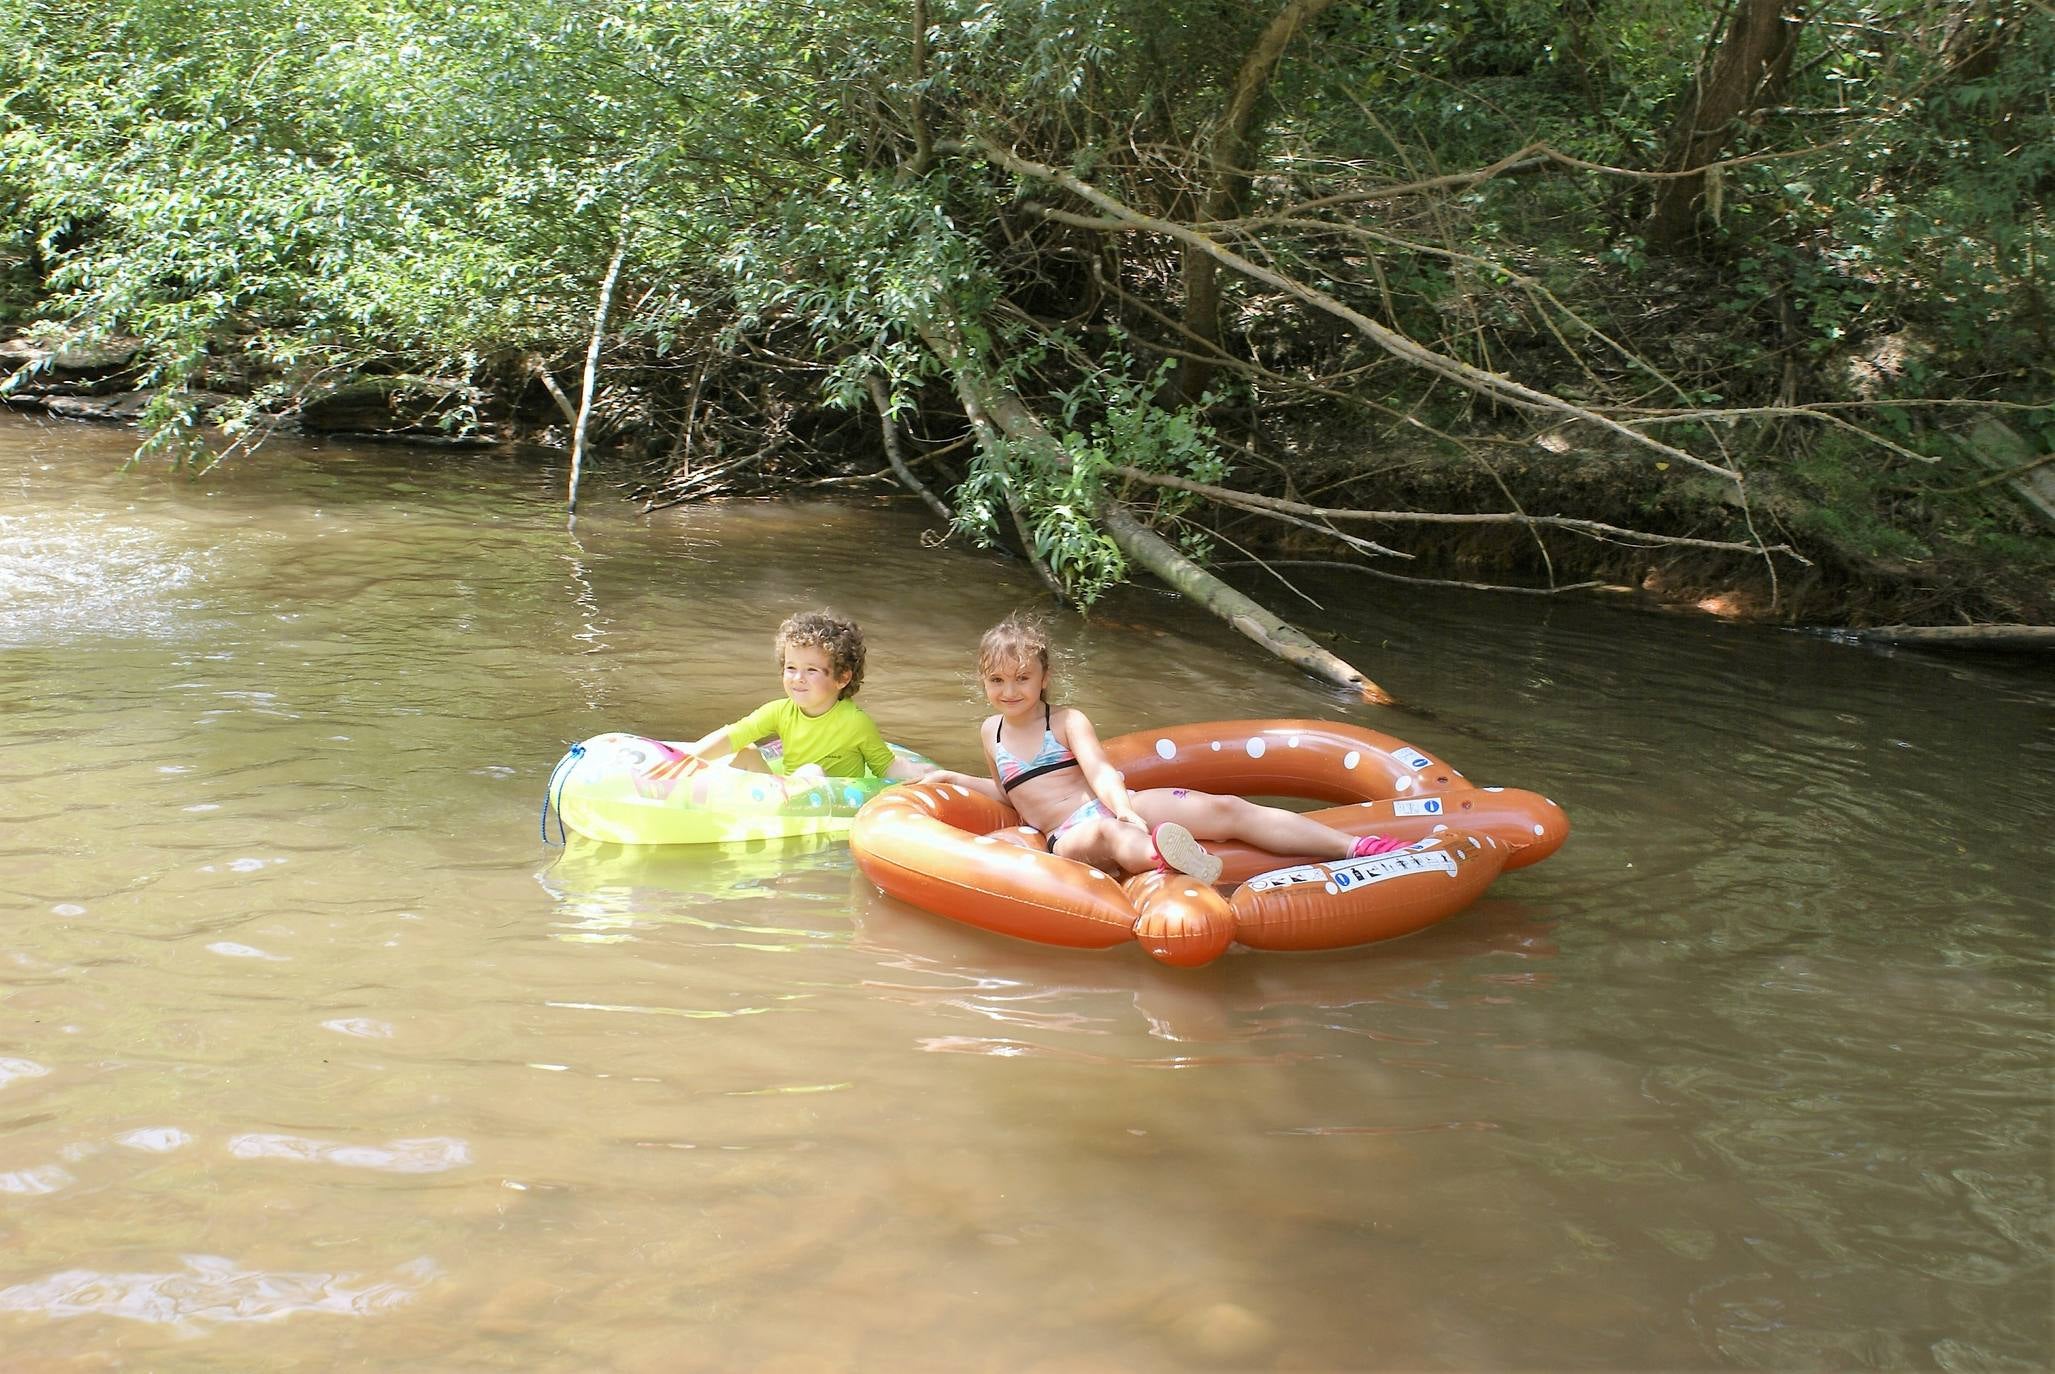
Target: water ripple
{"x": 212, "y": 1289}
{"x": 430, "y": 1155}
{"x": 65, "y": 577}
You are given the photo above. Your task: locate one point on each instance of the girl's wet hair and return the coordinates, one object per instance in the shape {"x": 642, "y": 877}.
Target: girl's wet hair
{"x": 1016, "y": 639}
{"x": 835, "y": 635}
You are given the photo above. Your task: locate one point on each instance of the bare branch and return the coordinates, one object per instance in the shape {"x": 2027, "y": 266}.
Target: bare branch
{"x": 1399, "y": 345}
{"x": 998, "y": 413}
{"x": 1595, "y": 528}
{"x": 542, "y": 374}
{"x": 1426, "y": 581}
{"x": 1819, "y": 413}
{"x": 881, "y": 397}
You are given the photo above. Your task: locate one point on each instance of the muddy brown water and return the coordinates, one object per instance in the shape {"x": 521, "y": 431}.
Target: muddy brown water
{"x": 314, "y": 1056}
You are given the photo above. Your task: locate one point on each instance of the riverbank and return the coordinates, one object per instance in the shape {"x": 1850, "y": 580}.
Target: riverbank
{"x": 1873, "y": 547}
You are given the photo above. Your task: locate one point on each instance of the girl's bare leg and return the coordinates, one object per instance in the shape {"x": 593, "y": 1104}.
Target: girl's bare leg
{"x": 1110, "y": 846}
{"x": 1213, "y": 817}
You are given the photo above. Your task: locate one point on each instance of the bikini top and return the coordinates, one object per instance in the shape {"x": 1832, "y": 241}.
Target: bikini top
{"x": 1050, "y": 757}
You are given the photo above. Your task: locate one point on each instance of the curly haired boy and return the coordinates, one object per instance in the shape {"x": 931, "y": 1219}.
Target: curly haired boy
{"x": 820, "y": 660}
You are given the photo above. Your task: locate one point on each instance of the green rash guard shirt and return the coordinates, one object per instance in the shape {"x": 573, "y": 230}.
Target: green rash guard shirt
{"x": 842, "y": 739}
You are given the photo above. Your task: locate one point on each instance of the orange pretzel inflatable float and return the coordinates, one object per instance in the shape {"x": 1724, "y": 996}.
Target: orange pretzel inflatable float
{"x": 959, "y": 854}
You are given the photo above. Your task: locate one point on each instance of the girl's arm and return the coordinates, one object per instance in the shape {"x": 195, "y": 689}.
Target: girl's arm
{"x": 985, "y": 786}
{"x": 1100, "y": 774}
{"x": 982, "y": 785}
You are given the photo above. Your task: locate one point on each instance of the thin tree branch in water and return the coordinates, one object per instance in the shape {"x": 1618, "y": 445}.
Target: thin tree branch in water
{"x": 1540, "y": 544}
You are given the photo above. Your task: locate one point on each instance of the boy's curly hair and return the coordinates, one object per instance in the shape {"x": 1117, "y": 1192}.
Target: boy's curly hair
{"x": 837, "y": 635}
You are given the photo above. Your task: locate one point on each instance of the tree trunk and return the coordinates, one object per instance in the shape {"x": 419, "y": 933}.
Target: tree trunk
{"x": 997, "y": 408}
{"x": 1976, "y": 38}
{"x": 1752, "y": 61}
{"x": 881, "y": 397}
{"x": 591, "y": 383}
{"x": 1229, "y": 157}
{"x": 2001, "y": 638}
{"x": 1144, "y": 546}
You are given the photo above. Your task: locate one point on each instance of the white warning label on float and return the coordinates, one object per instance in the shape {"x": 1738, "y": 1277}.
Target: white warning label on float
{"x": 1363, "y": 872}
{"x": 1357, "y": 872}
{"x": 1285, "y": 877}
{"x": 1420, "y": 806}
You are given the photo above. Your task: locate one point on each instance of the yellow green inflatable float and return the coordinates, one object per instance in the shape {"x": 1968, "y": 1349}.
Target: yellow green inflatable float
{"x": 630, "y": 789}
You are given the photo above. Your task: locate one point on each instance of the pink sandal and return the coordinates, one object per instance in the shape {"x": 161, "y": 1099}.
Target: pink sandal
{"x": 1177, "y": 850}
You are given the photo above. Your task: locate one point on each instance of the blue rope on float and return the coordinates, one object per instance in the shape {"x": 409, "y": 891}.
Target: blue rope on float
{"x": 553, "y": 793}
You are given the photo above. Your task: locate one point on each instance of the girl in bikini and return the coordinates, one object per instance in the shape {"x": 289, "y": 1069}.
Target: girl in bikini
{"x": 1046, "y": 762}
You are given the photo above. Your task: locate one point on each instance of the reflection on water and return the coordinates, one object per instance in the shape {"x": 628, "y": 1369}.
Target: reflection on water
{"x": 66, "y": 575}
{"x": 211, "y": 1289}
{"x": 311, "y": 1054}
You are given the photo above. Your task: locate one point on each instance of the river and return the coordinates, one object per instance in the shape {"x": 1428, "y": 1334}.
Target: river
{"x": 313, "y": 1054}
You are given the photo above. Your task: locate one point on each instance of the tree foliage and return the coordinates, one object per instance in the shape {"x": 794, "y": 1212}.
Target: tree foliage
{"x": 274, "y": 197}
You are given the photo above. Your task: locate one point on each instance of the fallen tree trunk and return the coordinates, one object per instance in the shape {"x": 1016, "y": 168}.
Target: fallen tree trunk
{"x": 2011, "y": 638}
{"x": 995, "y": 407}
{"x": 1144, "y": 546}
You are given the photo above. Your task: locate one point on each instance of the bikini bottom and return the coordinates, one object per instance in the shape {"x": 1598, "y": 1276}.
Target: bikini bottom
{"x": 1090, "y": 811}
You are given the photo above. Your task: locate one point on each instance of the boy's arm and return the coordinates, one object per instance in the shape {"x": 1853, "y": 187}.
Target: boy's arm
{"x": 716, "y": 743}
{"x": 756, "y": 724}
{"x": 904, "y": 770}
